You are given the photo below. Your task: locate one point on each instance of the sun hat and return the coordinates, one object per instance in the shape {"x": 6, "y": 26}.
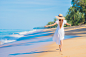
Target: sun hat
{"x": 60, "y": 16}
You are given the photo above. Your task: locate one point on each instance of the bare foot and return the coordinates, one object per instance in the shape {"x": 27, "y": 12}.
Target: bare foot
{"x": 60, "y": 50}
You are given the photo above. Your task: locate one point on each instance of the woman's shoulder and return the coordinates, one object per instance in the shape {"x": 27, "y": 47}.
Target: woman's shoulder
{"x": 65, "y": 21}
{"x": 57, "y": 20}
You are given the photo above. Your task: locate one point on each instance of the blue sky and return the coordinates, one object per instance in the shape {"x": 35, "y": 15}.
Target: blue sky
{"x": 27, "y": 14}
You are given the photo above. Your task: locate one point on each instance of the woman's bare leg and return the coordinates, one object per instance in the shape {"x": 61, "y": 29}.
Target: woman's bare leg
{"x": 60, "y": 46}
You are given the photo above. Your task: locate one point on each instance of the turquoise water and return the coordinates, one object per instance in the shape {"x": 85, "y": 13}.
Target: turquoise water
{"x": 5, "y": 34}
{"x": 14, "y": 35}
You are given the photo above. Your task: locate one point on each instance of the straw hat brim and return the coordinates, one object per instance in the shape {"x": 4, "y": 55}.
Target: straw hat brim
{"x": 59, "y": 17}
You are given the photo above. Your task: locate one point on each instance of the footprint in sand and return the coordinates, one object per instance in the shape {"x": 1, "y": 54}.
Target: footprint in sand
{"x": 60, "y": 53}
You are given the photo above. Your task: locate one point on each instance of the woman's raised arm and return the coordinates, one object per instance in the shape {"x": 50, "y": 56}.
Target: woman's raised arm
{"x": 50, "y": 25}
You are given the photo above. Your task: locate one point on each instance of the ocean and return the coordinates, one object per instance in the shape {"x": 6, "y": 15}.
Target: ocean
{"x": 15, "y": 35}
{"x": 11, "y": 35}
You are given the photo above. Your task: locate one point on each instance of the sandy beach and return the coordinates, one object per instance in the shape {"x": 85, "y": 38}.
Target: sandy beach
{"x": 73, "y": 47}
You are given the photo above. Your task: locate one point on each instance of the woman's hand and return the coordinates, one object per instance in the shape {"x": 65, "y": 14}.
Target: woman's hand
{"x": 45, "y": 26}
{"x": 70, "y": 24}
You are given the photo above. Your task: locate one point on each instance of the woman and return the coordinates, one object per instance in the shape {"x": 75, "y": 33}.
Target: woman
{"x": 59, "y": 33}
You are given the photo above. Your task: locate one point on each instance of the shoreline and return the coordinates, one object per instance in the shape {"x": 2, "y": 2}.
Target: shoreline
{"x": 65, "y": 29}
{"x": 71, "y": 47}
{"x": 53, "y": 30}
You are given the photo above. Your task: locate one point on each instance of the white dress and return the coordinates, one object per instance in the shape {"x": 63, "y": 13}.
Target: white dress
{"x": 59, "y": 33}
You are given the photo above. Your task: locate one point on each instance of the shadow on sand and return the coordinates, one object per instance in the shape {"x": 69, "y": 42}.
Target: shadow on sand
{"x": 33, "y": 52}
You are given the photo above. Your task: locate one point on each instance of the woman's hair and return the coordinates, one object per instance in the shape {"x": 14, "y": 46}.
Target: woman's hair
{"x": 60, "y": 22}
